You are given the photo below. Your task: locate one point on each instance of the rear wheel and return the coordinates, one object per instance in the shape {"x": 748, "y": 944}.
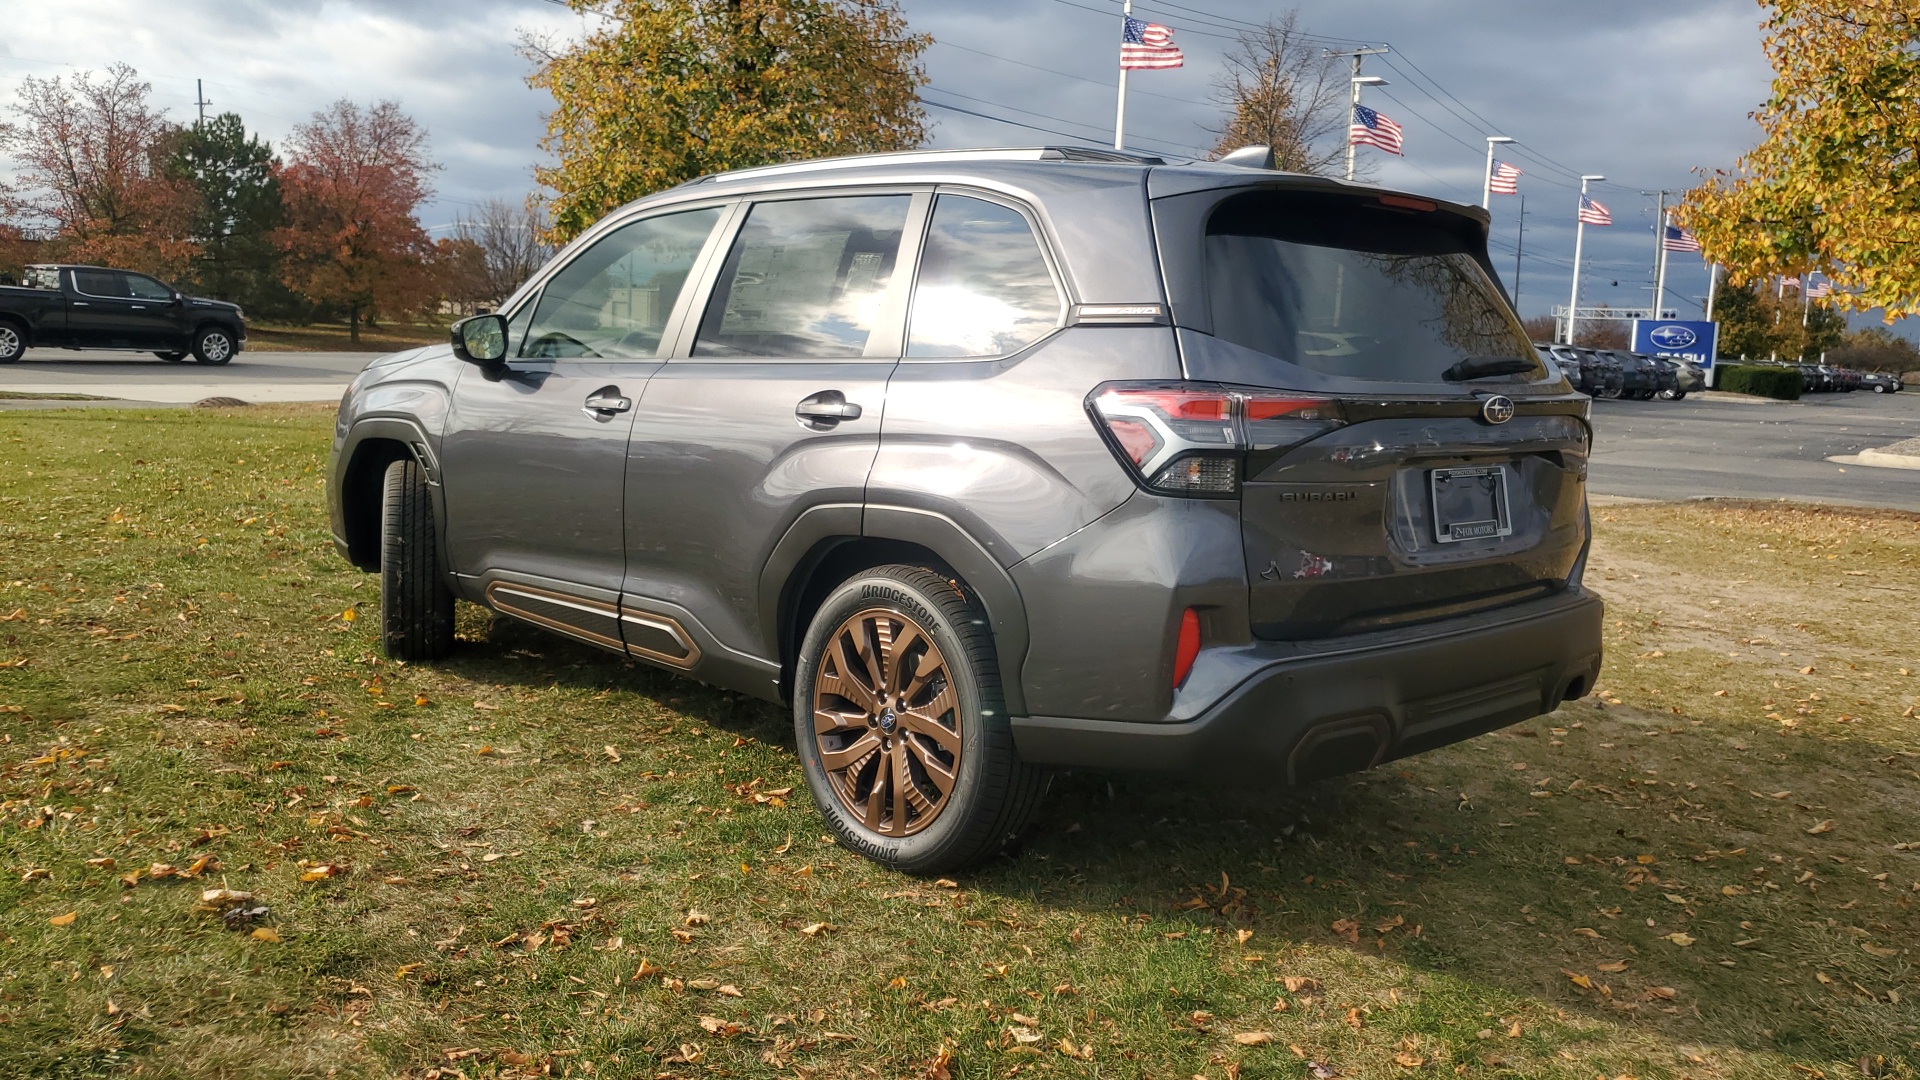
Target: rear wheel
{"x": 1673, "y": 395}
{"x": 172, "y": 357}
{"x": 902, "y": 727}
{"x": 1879, "y": 389}
{"x": 416, "y": 608}
{"x": 13, "y": 343}
{"x": 213, "y": 345}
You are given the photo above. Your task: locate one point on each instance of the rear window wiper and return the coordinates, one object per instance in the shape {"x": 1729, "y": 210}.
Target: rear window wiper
{"x": 1485, "y": 367}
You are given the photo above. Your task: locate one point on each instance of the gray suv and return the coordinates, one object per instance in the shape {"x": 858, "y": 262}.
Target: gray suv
{"x": 996, "y": 462}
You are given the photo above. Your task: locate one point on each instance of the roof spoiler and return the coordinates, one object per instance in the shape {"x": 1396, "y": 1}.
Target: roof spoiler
{"x": 1251, "y": 157}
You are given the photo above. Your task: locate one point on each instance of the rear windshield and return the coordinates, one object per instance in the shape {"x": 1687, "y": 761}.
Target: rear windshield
{"x": 1347, "y": 286}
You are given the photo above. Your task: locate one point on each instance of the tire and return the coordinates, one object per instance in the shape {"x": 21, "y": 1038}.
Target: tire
{"x": 1675, "y": 395}
{"x": 172, "y": 357}
{"x": 213, "y": 345}
{"x": 416, "y": 608}
{"x": 951, "y": 721}
{"x": 13, "y": 342}
{"x": 1878, "y": 389}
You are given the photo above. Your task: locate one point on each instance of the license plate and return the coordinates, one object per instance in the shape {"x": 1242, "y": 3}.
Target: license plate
{"x": 1470, "y": 504}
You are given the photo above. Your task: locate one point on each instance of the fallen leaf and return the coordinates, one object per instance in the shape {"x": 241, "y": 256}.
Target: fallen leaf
{"x": 696, "y": 918}
{"x": 612, "y": 754}
{"x": 1407, "y": 1060}
{"x": 1878, "y": 950}
{"x": 1083, "y": 1052}
{"x": 1348, "y": 929}
{"x": 1024, "y": 1035}
{"x": 63, "y": 920}
{"x": 937, "y": 1068}
{"x": 1661, "y": 993}
{"x": 1823, "y": 827}
{"x": 348, "y": 615}
{"x": 1585, "y": 931}
{"x": 268, "y": 933}
{"x": 1578, "y": 980}
{"x": 1682, "y": 940}
{"x": 1298, "y": 985}
{"x": 815, "y": 929}
{"x": 647, "y": 969}
{"x": 726, "y": 1029}
{"x": 1254, "y": 1038}
{"x": 1611, "y": 966}
{"x": 730, "y": 990}
{"x": 1241, "y": 937}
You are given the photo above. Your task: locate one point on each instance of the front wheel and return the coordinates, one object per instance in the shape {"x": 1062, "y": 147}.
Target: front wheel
{"x": 213, "y": 345}
{"x": 1878, "y": 389}
{"x": 13, "y": 343}
{"x": 172, "y": 357}
{"x": 416, "y": 608}
{"x": 902, "y": 727}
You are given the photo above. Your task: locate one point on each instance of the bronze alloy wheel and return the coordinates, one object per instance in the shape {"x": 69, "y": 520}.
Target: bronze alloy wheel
{"x": 887, "y": 721}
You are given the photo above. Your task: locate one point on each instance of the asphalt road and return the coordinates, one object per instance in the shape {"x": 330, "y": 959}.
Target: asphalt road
{"x": 1700, "y": 447}
{"x": 142, "y": 377}
{"x": 1738, "y": 449}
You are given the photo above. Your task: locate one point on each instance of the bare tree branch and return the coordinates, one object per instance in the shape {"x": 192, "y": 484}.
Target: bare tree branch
{"x": 1285, "y": 92}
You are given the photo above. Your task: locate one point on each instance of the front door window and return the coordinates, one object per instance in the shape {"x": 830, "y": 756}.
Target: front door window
{"x": 613, "y": 301}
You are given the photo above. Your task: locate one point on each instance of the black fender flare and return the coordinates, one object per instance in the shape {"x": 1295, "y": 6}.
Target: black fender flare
{"x": 810, "y": 537}
{"x": 413, "y": 437}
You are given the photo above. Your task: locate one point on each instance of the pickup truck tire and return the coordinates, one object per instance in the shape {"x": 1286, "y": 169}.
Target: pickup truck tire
{"x": 13, "y": 343}
{"x": 213, "y": 345}
{"x": 416, "y": 608}
{"x": 172, "y": 357}
{"x": 902, "y": 726}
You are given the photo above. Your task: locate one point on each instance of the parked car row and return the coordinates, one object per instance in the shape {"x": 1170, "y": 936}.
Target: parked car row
{"x": 1617, "y": 373}
{"x": 1829, "y": 379}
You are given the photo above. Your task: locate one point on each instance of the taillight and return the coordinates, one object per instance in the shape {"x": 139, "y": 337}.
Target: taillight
{"x": 1187, "y": 649}
{"x": 1191, "y": 438}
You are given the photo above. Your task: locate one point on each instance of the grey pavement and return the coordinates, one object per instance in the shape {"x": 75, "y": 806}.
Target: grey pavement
{"x": 1740, "y": 449}
{"x": 143, "y": 377}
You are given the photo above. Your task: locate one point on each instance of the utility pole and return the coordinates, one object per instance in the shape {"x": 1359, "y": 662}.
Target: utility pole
{"x": 1519, "y": 246}
{"x": 1355, "y": 81}
{"x": 200, "y": 101}
{"x": 1713, "y": 287}
{"x": 1659, "y": 250}
{"x": 1579, "y": 240}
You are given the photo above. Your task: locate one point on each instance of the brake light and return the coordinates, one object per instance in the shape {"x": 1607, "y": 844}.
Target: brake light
{"x": 1191, "y": 439}
{"x": 1187, "y": 649}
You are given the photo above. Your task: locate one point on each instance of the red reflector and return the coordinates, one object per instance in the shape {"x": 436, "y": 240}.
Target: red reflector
{"x": 1135, "y": 438}
{"x": 1405, "y": 203}
{"x": 1266, "y": 408}
{"x": 1188, "y": 649}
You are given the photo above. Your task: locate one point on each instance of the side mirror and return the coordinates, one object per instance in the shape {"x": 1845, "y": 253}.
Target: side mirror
{"x": 481, "y": 339}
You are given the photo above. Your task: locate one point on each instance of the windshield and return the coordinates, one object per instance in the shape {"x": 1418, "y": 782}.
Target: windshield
{"x": 1350, "y": 286}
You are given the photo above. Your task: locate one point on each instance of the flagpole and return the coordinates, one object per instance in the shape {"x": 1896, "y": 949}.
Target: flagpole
{"x": 1713, "y": 287}
{"x": 1806, "y": 300}
{"x": 1660, "y": 271}
{"x": 1120, "y": 108}
{"x": 1486, "y": 184}
{"x": 1579, "y": 241}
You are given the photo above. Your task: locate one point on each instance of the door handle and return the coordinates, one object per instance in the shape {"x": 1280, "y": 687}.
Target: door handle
{"x": 137, "y": 307}
{"x": 825, "y": 409}
{"x": 79, "y": 303}
{"x": 606, "y": 401}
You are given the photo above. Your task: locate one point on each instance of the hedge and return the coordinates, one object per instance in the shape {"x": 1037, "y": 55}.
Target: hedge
{"x": 1773, "y": 382}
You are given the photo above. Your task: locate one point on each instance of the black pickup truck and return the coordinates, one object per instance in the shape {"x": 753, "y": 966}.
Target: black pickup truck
{"x": 90, "y": 307}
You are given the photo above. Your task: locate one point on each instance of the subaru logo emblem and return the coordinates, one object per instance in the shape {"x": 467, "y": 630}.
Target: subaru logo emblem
{"x": 1673, "y": 337}
{"x": 1497, "y": 409}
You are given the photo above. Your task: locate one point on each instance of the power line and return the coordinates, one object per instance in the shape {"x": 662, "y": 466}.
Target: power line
{"x": 1056, "y": 71}
{"x": 1057, "y": 119}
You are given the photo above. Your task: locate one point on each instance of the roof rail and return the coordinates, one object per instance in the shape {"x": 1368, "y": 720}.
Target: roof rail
{"x": 1013, "y": 153}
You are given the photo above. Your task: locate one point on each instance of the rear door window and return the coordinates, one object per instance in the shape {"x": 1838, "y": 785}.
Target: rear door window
{"x": 107, "y": 283}
{"x": 806, "y": 278}
{"x": 983, "y": 288}
{"x": 1349, "y": 286}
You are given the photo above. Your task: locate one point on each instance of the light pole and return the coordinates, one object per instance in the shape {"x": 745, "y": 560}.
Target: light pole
{"x": 1486, "y": 186}
{"x": 1579, "y": 239}
{"x": 1357, "y": 81}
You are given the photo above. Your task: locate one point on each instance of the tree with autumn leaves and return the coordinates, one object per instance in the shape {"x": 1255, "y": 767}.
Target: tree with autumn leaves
{"x": 1834, "y": 185}
{"x": 659, "y": 92}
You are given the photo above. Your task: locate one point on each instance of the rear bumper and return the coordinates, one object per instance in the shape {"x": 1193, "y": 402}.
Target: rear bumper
{"x": 1308, "y": 714}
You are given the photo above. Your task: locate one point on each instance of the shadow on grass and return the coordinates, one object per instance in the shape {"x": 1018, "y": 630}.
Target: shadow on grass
{"x": 1694, "y": 909}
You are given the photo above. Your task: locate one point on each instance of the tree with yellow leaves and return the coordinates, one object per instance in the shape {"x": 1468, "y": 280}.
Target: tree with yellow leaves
{"x": 663, "y": 91}
{"x": 1835, "y": 184}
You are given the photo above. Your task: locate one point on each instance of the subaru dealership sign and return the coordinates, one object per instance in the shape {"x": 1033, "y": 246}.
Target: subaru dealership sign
{"x": 1693, "y": 341}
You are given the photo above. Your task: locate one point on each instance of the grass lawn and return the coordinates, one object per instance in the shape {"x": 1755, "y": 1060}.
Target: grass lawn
{"x": 332, "y": 337}
{"x": 536, "y": 859}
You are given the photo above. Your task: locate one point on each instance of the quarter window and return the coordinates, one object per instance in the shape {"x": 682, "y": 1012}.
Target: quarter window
{"x": 806, "y": 278}
{"x": 983, "y": 287}
{"x": 613, "y": 300}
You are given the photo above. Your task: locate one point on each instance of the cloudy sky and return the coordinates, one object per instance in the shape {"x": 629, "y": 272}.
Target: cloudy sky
{"x": 1643, "y": 91}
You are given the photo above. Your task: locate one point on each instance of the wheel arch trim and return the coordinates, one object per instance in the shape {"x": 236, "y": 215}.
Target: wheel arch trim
{"x": 350, "y": 474}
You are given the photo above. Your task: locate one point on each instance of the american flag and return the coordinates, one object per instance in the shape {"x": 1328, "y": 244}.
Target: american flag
{"x": 1370, "y": 128}
{"x": 1506, "y": 179}
{"x": 1820, "y": 290}
{"x": 1147, "y": 45}
{"x": 1594, "y": 212}
{"x": 1789, "y": 283}
{"x": 1679, "y": 239}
